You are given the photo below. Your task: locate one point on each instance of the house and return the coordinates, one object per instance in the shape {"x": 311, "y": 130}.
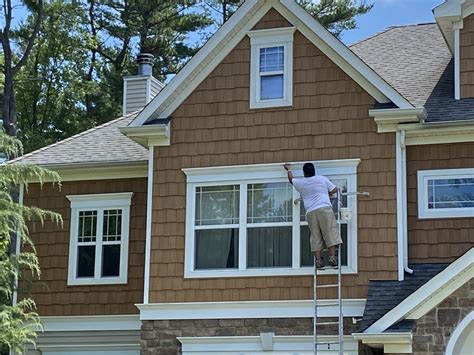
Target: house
{"x": 180, "y": 233}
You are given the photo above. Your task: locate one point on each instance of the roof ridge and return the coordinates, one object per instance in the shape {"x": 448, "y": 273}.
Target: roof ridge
{"x": 80, "y": 134}
{"x": 387, "y": 29}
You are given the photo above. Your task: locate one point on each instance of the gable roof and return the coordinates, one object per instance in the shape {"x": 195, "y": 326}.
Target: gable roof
{"x": 385, "y": 295}
{"x": 428, "y": 295}
{"x": 417, "y": 62}
{"x": 103, "y": 144}
{"x": 236, "y": 28}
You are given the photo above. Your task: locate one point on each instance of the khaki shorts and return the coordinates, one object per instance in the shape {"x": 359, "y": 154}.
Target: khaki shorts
{"x": 324, "y": 229}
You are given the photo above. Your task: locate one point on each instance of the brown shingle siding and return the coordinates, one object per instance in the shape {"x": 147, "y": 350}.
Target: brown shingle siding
{"x": 437, "y": 240}
{"x": 51, "y": 293}
{"x": 329, "y": 120}
{"x": 467, "y": 58}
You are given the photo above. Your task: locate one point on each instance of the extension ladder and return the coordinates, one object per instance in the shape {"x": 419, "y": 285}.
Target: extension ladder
{"x": 340, "y": 321}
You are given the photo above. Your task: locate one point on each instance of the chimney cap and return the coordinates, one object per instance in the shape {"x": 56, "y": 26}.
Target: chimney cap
{"x": 145, "y": 58}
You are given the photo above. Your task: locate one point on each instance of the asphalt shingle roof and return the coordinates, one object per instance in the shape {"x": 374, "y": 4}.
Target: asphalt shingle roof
{"x": 385, "y": 295}
{"x": 102, "y": 144}
{"x": 416, "y": 62}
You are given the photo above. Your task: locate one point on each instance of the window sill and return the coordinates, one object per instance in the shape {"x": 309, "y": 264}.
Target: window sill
{"x": 198, "y": 274}
{"x": 91, "y": 281}
{"x": 270, "y": 104}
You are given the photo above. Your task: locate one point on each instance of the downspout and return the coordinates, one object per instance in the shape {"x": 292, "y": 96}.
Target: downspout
{"x": 399, "y": 187}
{"x": 404, "y": 202}
{"x": 149, "y": 214}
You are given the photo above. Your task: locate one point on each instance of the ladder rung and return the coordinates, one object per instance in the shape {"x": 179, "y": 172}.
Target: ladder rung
{"x": 326, "y": 286}
{"x": 327, "y": 323}
{"x": 328, "y": 343}
{"x": 329, "y": 304}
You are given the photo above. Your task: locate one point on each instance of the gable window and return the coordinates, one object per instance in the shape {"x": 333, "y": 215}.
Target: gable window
{"x": 243, "y": 223}
{"x": 98, "y": 248}
{"x": 446, "y": 193}
{"x": 271, "y": 75}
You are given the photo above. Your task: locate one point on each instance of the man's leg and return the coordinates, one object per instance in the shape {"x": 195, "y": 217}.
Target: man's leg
{"x": 330, "y": 230}
{"x": 316, "y": 238}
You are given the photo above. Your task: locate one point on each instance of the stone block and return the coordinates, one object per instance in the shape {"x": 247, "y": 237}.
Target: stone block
{"x": 466, "y": 302}
{"x": 231, "y": 322}
{"x": 206, "y": 323}
{"x": 255, "y": 322}
{"x": 225, "y": 332}
{"x": 448, "y": 316}
{"x": 161, "y": 324}
{"x": 180, "y": 324}
{"x": 148, "y": 334}
{"x": 147, "y": 325}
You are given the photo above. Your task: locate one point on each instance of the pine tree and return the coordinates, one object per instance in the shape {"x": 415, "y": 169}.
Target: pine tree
{"x": 18, "y": 320}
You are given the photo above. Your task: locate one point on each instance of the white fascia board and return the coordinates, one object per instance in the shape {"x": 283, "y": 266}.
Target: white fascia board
{"x": 387, "y": 120}
{"x": 249, "y": 309}
{"x": 90, "y": 323}
{"x": 438, "y": 133}
{"x": 340, "y": 54}
{"x": 449, "y": 8}
{"x": 268, "y": 171}
{"x": 400, "y": 343}
{"x": 152, "y": 135}
{"x": 430, "y": 294}
{"x": 204, "y": 61}
{"x": 279, "y": 343}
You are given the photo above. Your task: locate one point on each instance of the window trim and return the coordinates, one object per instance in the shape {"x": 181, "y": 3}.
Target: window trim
{"x": 99, "y": 202}
{"x": 281, "y": 37}
{"x": 423, "y": 176}
{"x": 247, "y": 174}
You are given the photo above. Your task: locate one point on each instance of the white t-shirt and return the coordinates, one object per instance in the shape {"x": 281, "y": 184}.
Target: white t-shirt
{"x": 314, "y": 191}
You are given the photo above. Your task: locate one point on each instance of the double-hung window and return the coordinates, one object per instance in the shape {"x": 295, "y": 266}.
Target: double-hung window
{"x": 98, "y": 248}
{"x": 271, "y": 75}
{"x": 446, "y": 193}
{"x": 248, "y": 221}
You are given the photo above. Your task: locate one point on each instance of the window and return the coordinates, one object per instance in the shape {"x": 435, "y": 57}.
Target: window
{"x": 242, "y": 221}
{"x": 98, "y": 249}
{"x": 271, "y": 79}
{"x": 446, "y": 193}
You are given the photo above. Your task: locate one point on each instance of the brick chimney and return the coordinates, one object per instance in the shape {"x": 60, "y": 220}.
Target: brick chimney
{"x": 140, "y": 89}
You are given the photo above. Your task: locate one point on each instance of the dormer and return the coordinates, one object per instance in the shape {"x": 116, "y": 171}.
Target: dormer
{"x": 455, "y": 18}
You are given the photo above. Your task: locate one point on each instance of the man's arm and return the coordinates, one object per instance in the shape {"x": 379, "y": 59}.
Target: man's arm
{"x": 288, "y": 171}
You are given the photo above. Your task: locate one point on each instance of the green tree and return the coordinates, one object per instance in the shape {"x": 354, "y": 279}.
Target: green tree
{"x": 14, "y": 318}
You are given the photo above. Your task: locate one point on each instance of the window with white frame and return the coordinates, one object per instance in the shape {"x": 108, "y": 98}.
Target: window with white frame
{"x": 98, "y": 248}
{"x": 446, "y": 193}
{"x": 271, "y": 62}
{"x": 243, "y": 221}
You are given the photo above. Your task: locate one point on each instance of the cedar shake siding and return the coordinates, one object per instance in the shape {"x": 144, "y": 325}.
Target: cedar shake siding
{"x": 215, "y": 127}
{"x": 51, "y": 293}
{"x": 467, "y": 58}
{"x": 437, "y": 240}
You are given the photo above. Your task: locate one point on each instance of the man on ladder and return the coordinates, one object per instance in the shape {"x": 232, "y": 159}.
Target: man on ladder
{"x": 315, "y": 191}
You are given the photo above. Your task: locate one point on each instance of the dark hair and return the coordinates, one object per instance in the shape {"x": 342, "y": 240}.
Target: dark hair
{"x": 308, "y": 170}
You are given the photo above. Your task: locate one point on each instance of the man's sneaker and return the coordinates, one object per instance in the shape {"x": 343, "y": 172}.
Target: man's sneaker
{"x": 333, "y": 261}
{"x": 319, "y": 264}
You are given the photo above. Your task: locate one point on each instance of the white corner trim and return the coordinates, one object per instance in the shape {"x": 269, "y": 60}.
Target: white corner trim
{"x": 458, "y": 332}
{"x": 248, "y": 309}
{"x": 149, "y": 220}
{"x": 400, "y": 343}
{"x": 457, "y": 64}
{"x": 430, "y": 294}
{"x": 268, "y": 171}
{"x": 422, "y": 188}
{"x": 90, "y": 323}
{"x": 284, "y": 344}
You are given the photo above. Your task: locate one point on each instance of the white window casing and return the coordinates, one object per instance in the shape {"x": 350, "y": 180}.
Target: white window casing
{"x": 243, "y": 176}
{"x": 99, "y": 205}
{"x": 433, "y": 183}
{"x": 271, "y": 39}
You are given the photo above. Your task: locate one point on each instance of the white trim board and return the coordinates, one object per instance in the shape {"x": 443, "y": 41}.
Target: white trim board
{"x": 92, "y": 323}
{"x": 459, "y": 334}
{"x": 400, "y": 343}
{"x": 232, "y": 32}
{"x": 249, "y": 309}
{"x": 277, "y": 344}
{"x": 430, "y": 294}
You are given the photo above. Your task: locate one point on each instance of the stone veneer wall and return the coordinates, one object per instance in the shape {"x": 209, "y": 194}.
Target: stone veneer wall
{"x": 159, "y": 337}
{"x": 432, "y": 331}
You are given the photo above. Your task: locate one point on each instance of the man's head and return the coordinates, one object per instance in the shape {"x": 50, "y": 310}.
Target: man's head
{"x": 309, "y": 170}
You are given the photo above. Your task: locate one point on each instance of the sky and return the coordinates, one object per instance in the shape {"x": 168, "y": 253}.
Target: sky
{"x": 386, "y": 13}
